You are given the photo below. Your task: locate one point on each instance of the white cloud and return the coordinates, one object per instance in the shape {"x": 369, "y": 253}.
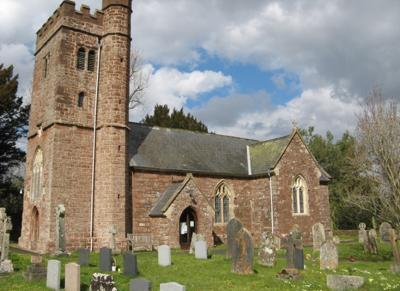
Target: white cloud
{"x": 173, "y": 87}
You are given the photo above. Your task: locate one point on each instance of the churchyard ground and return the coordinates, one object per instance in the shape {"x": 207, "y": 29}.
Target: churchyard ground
{"x": 215, "y": 273}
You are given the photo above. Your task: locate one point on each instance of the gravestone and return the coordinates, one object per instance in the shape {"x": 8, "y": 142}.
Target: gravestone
{"x": 296, "y": 231}
{"x": 72, "y": 277}
{"x": 288, "y": 244}
{"x": 84, "y": 257}
{"x": 139, "y": 285}
{"x": 267, "y": 251}
{"x": 395, "y": 267}
{"x": 164, "y": 255}
{"x": 60, "y": 230}
{"x": 130, "y": 265}
{"x": 192, "y": 242}
{"x": 105, "y": 260}
{"x": 102, "y": 282}
{"x": 384, "y": 231}
{"x": 233, "y": 227}
{"x": 6, "y": 266}
{"x": 201, "y": 250}
{"x": 328, "y": 255}
{"x": 344, "y": 282}
{"x": 298, "y": 254}
{"x": 53, "y": 274}
{"x": 372, "y": 237}
{"x": 36, "y": 270}
{"x": 361, "y": 232}
{"x": 318, "y": 234}
{"x": 242, "y": 252}
{"x": 172, "y": 286}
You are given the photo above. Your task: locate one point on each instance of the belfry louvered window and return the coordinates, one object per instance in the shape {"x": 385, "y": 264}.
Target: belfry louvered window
{"x": 80, "y": 62}
{"x": 91, "y": 60}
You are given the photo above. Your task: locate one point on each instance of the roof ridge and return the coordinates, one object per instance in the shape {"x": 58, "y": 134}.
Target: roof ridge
{"x": 271, "y": 140}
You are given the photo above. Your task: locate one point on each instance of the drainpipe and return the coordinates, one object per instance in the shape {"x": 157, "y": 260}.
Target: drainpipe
{"x": 272, "y": 205}
{"x": 94, "y": 142}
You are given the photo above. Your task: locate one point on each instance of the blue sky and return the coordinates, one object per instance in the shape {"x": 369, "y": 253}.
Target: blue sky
{"x": 245, "y": 68}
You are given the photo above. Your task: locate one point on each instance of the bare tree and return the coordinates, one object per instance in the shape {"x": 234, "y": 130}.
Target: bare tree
{"x": 138, "y": 80}
{"x": 378, "y": 157}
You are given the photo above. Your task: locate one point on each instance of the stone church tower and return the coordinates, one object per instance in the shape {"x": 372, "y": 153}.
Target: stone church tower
{"x": 76, "y": 186}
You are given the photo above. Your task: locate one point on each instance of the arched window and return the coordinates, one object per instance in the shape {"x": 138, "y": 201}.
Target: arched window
{"x": 81, "y": 99}
{"x": 299, "y": 196}
{"x": 223, "y": 204}
{"x": 80, "y": 62}
{"x": 37, "y": 175}
{"x": 91, "y": 60}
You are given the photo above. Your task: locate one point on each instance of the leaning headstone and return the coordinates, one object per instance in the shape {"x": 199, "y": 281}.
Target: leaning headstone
{"x": 361, "y": 232}
{"x": 267, "y": 251}
{"x": 102, "y": 282}
{"x": 242, "y": 252}
{"x": 130, "y": 265}
{"x": 172, "y": 286}
{"x": 328, "y": 255}
{"x": 84, "y": 255}
{"x": 288, "y": 244}
{"x": 139, "y": 285}
{"x": 344, "y": 282}
{"x": 384, "y": 231}
{"x": 105, "y": 260}
{"x": 298, "y": 254}
{"x": 36, "y": 270}
{"x": 72, "y": 277}
{"x": 233, "y": 227}
{"x": 200, "y": 250}
{"x": 318, "y": 234}
{"x": 164, "y": 255}
{"x": 53, "y": 274}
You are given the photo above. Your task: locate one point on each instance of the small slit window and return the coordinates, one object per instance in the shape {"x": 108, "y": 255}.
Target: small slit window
{"x": 81, "y": 99}
{"x": 91, "y": 60}
{"x": 80, "y": 64}
{"x": 46, "y": 60}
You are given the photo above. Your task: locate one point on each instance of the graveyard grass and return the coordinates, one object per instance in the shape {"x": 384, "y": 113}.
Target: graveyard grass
{"x": 215, "y": 273}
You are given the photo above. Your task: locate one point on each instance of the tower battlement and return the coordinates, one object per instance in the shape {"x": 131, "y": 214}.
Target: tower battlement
{"x": 67, "y": 15}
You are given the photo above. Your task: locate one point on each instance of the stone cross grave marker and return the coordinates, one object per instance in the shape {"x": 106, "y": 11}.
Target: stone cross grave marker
{"x": 361, "y": 232}
{"x": 200, "y": 250}
{"x": 105, "y": 259}
{"x": 242, "y": 252}
{"x": 84, "y": 257}
{"x": 139, "y": 285}
{"x": 53, "y": 274}
{"x": 328, "y": 255}
{"x": 72, "y": 277}
{"x": 267, "y": 251}
{"x": 288, "y": 244}
{"x": 172, "y": 286}
{"x": 318, "y": 234}
{"x": 164, "y": 255}
{"x": 130, "y": 265}
{"x": 113, "y": 232}
{"x": 6, "y": 266}
{"x": 233, "y": 227}
{"x": 60, "y": 229}
{"x": 298, "y": 254}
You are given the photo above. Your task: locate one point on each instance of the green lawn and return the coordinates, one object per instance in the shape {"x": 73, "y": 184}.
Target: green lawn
{"x": 214, "y": 274}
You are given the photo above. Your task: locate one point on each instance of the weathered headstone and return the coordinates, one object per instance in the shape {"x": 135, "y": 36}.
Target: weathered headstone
{"x": 267, "y": 251}
{"x": 318, "y": 234}
{"x": 242, "y": 252}
{"x": 130, "y": 265}
{"x": 72, "y": 277}
{"x": 139, "y": 285}
{"x": 288, "y": 244}
{"x": 373, "y": 246}
{"x": 6, "y": 265}
{"x": 201, "y": 250}
{"x": 105, "y": 260}
{"x": 384, "y": 231}
{"x": 36, "y": 270}
{"x": 53, "y": 274}
{"x": 395, "y": 267}
{"x": 172, "y": 286}
{"x": 361, "y": 232}
{"x": 329, "y": 258}
{"x": 344, "y": 282}
{"x": 233, "y": 227}
{"x": 84, "y": 257}
{"x": 164, "y": 255}
{"x": 298, "y": 254}
{"x": 102, "y": 282}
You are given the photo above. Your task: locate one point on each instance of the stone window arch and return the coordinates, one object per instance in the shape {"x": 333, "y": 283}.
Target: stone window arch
{"x": 37, "y": 175}
{"x": 223, "y": 203}
{"x": 300, "y": 196}
{"x": 80, "y": 59}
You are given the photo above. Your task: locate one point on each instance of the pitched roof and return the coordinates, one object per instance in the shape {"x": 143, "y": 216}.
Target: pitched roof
{"x": 166, "y": 198}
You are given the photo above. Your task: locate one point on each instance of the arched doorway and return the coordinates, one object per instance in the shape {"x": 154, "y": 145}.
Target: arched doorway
{"x": 34, "y": 228}
{"x": 187, "y": 226}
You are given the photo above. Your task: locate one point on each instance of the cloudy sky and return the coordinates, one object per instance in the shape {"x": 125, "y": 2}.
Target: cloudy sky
{"x": 247, "y": 68}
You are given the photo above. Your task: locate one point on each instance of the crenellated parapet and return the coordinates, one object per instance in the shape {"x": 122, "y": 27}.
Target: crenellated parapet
{"x": 67, "y": 16}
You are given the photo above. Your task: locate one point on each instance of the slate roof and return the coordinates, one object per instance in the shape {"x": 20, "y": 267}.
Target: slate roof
{"x": 165, "y": 199}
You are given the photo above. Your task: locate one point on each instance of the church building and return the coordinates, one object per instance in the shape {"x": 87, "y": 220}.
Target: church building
{"x": 92, "y": 174}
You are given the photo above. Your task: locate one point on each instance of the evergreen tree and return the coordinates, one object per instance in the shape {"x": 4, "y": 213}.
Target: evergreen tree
{"x": 177, "y": 119}
{"x": 13, "y": 126}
